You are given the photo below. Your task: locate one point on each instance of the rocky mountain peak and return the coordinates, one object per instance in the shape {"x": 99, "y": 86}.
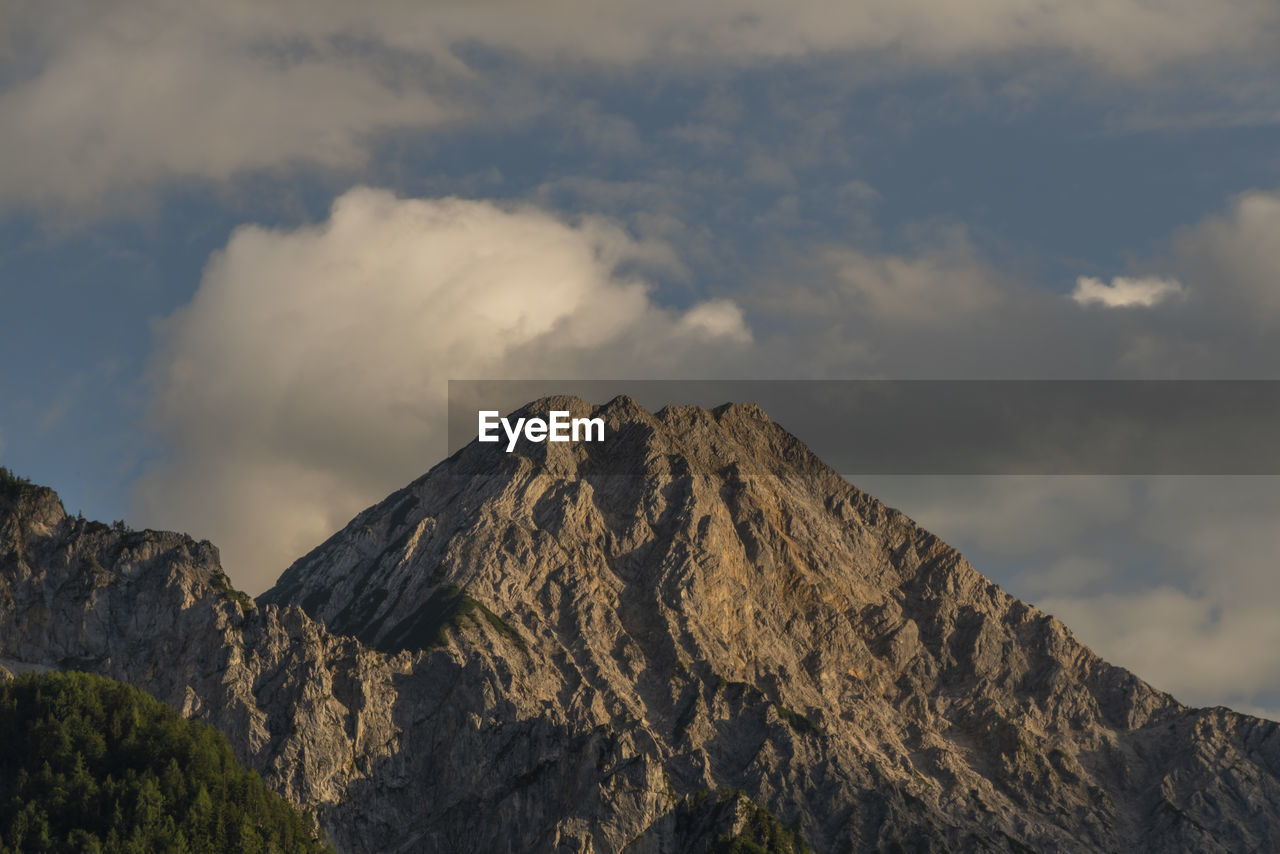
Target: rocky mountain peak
{"x": 683, "y": 478}
{"x": 740, "y": 615}
{"x": 648, "y": 643}
{"x": 708, "y": 439}
{"x": 34, "y": 507}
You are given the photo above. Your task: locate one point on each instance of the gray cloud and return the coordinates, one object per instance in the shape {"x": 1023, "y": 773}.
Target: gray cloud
{"x": 939, "y": 309}
{"x": 943, "y": 285}
{"x": 105, "y": 102}
{"x": 1172, "y": 577}
{"x": 1234, "y": 257}
{"x": 1200, "y": 621}
{"x": 942, "y": 309}
{"x": 126, "y": 98}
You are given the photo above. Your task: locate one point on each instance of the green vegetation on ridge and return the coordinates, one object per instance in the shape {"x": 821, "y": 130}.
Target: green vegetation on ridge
{"x": 758, "y": 831}
{"x": 10, "y": 483}
{"x": 93, "y": 765}
{"x": 223, "y": 585}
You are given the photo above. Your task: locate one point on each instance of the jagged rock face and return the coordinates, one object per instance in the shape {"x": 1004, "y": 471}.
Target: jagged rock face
{"x": 311, "y": 711}
{"x": 563, "y": 647}
{"x": 700, "y": 584}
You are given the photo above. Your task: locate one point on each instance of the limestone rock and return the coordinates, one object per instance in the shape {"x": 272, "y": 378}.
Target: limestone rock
{"x": 567, "y": 647}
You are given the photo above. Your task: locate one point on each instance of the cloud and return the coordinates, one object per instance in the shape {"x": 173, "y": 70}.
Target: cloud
{"x": 1065, "y": 576}
{"x": 938, "y": 310}
{"x": 909, "y": 290}
{"x": 1200, "y": 621}
{"x": 126, "y": 97}
{"x": 1127, "y": 36}
{"x": 1009, "y": 517}
{"x": 941, "y": 284}
{"x": 103, "y": 103}
{"x": 307, "y": 376}
{"x": 1182, "y": 643}
{"x": 720, "y": 318}
{"x": 1233, "y": 257}
{"x": 1206, "y": 306}
{"x": 1224, "y": 321}
{"x": 1171, "y": 577}
{"x": 1124, "y": 292}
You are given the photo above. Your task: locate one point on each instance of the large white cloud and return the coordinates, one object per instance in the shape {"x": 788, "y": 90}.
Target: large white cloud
{"x": 307, "y": 376}
{"x": 105, "y": 100}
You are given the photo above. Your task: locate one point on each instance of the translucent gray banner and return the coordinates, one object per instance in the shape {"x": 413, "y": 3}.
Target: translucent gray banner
{"x": 1105, "y": 427}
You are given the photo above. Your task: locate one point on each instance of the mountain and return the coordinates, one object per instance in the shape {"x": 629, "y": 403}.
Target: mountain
{"x": 690, "y": 632}
{"x": 309, "y": 711}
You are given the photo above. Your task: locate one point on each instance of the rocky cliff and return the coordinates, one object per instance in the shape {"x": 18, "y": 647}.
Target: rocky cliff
{"x": 588, "y": 647}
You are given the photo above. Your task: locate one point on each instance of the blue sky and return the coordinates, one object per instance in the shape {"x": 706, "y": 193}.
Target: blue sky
{"x": 244, "y": 246}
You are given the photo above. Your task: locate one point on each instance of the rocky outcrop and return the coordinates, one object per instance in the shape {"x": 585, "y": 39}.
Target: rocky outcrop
{"x": 568, "y": 647}
{"x": 310, "y": 710}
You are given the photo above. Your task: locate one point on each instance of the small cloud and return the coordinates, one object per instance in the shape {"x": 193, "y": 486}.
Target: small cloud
{"x": 717, "y": 318}
{"x": 934, "y": 287}
{"x": 1124, "y": 292}
{"x": 769, "y": 171}
{"x": 65, "y": 401}
{"x": 859, "y": 193}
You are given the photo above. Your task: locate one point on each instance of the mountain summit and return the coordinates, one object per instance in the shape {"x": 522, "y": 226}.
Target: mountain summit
{"x": 725, "y": 611}
{"x": 691, "y": 632}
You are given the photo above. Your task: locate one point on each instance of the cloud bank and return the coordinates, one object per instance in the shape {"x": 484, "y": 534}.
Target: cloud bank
{"x": 107, "y": 101}
{"x": 1171, "y": 577}
{"x": 307, "y": 377}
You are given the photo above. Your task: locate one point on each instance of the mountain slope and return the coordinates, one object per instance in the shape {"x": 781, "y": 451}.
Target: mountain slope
{"x": 309, "y": 711}
{"x": 572, "y": 646}
{"x": 703, "y": 585}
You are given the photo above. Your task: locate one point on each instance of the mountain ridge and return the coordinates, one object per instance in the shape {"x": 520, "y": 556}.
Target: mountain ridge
{"x": 587, "y": 638}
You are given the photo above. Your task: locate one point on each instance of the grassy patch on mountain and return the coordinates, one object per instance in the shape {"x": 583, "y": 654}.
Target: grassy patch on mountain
{"x": 449, "y": 608}
{"x": 798, "y": 722}
{"x": 729, "y": 822}
{"x": 223, "y": 585}
{"x": 761, "y": 833}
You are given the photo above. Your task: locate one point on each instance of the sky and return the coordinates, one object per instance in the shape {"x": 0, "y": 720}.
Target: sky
{"x": 244, "y": 245}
